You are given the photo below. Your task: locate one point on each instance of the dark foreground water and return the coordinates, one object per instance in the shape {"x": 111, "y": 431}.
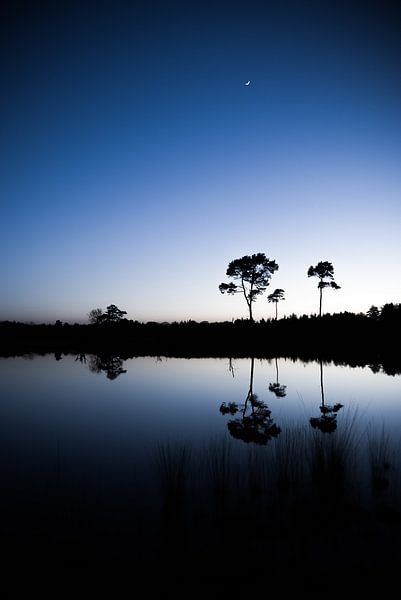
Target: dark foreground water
{"x": 225, "y": 473}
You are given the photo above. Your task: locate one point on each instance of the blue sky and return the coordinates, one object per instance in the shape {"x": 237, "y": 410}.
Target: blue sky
{"x": 135, "y": 163}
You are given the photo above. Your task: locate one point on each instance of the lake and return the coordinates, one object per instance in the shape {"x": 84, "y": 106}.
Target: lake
{"x": 98, "y": 453}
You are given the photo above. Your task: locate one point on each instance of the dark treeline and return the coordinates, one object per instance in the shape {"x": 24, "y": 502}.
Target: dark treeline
{"x": 355, "y": 339}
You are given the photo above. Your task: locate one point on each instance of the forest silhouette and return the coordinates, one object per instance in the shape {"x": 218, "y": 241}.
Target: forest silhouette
{"x": 352, "y": 338}
{"x": 346, "y": 338}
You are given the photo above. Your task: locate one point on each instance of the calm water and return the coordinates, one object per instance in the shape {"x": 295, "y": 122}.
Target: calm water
{"x": 80, "y": 437}
{"x": 87, "y": 412}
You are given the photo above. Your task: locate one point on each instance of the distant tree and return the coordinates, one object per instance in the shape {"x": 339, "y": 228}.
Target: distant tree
{"x": 275, "y": 297}
{"x": 323, "y": 270}
{"x": 112, "y": 315}
{"x": 373, "y": 312}
{"x": 95, "y": 315}
{"x": 253, "y": 274}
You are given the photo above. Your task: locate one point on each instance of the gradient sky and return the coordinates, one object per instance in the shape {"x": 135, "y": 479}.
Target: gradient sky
{"x": 135, "y": 163}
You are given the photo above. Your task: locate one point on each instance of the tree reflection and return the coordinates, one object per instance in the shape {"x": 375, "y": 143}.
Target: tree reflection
{"x": 254, "y": 423}
{"x": 111, "y": 365}
{"x": 277, "y": 388}
{"x": 327, "y": 422}
{"x": 231, "y": 367}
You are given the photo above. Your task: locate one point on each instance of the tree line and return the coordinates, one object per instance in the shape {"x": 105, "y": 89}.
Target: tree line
{"x": 252, "y": 275}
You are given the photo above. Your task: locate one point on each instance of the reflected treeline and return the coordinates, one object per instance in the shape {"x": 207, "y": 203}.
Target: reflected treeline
{"x": 386, "y": 367}
{"x": 254, "y": 423}
{"x": 113, "y": 366}
{"x": 327, "y": 421}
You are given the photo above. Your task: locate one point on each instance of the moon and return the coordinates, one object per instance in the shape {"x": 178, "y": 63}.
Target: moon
{"x": 248, "y": 82}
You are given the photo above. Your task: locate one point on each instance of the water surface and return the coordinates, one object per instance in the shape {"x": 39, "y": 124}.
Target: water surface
{"x": 83, "y": 439}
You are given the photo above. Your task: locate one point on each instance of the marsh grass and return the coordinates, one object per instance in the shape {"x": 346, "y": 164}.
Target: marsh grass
{"x": 175, "y": 472}
{"x": 381, "y": 460}
{"x": 218, "y": 467}
{"x": 306, "y": 498}
{"x": 333, "y": 459}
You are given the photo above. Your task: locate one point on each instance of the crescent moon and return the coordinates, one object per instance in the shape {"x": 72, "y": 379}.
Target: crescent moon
{"x": 248, "y": 82}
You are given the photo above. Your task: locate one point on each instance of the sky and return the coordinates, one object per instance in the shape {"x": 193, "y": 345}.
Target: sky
{"x": 136, "y": 164}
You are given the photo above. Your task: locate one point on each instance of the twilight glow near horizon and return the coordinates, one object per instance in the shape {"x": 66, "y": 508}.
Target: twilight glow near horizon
{"x": 136, "y": 163}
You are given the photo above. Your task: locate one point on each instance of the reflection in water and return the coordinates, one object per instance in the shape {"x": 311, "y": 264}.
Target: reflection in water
{"x": 309, "y": 502}
{"x": 231, "y": 367}
{"x": 277, "y": 388}
{"x": 111, "y": 365}
{"x": 96, "y": 480}
{"x": 255, "y": 424}
{"x": 97, "y": 363}
{"x": 327, "y": 422}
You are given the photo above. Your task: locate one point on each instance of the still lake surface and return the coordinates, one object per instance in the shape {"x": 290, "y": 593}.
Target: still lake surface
{"x": 80, "y": 436}
{"x": 73, "y": 410}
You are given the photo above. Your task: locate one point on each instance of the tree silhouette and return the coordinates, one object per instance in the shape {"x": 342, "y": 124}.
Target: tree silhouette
{"x": 253, "y": 274}
{"x": 373, "y": 313}
{"x": 257, "y": 426}
{"x": 95, "y": 315}
{"x": 277, "y": 388}
{"x": 323, "y": 270}
{"x": 112, "y": 315}
{"x": 275, "y": 297}
{"x": 327, "y": 422}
